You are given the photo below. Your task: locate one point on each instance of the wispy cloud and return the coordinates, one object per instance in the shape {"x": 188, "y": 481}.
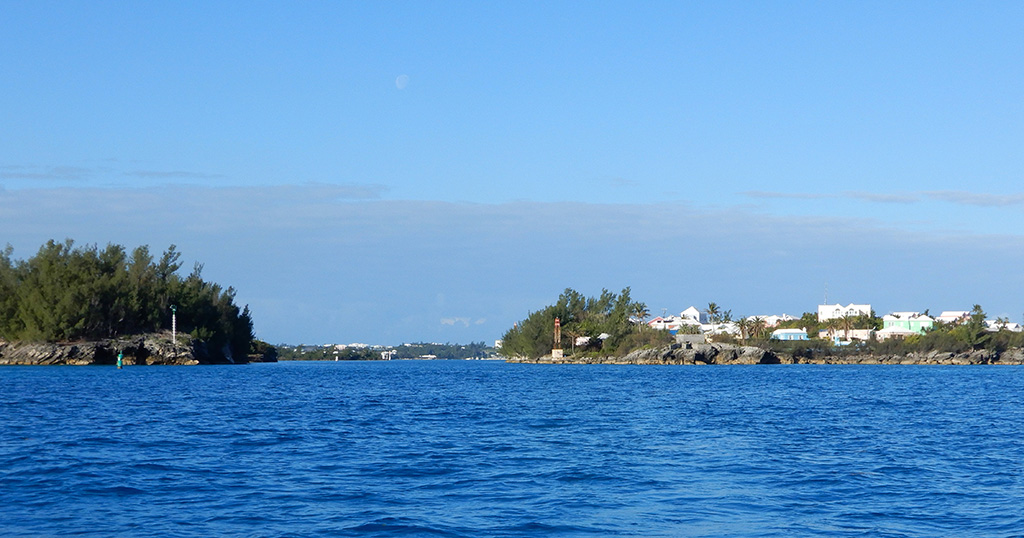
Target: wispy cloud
{"x": 953, "y": 197}
{"x": 902, "y": 198}
{"x": 976, "y": 199}
{"x": 171, "y": 174}
{"x": 787, "y": 195}
{"x": 463, "y": 321}
{"x": 105, "y": 178}
{"x": 883, "y": 198}
{"x": 46, "y": 173}
{"x": 453, "y": 321}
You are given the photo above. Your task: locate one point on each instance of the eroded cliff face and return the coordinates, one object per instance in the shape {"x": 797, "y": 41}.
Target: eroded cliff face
{"x": 732, "y": 354}
{"x": 149, "y": 349}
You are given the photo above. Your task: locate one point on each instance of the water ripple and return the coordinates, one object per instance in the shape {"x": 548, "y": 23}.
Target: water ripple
{"x": 470, "y": 448}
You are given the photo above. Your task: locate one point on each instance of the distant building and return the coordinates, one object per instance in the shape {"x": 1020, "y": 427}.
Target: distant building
{"x": 724, "y": 327}
{"x": 668, "y": 323}
{"x": 789, "y": 334}
{"x": 586, "y": 340}
{"x": 953, "y": 316}
{"x": 852, "y": 334}
{"x": 772, "y": 320}
{"x": 695, "y": 317}
{"x": 914, "y": 322}
{"x": 832, "y": 311}
{"x": 894, "y": 332}
{"x": 997, "y": 325}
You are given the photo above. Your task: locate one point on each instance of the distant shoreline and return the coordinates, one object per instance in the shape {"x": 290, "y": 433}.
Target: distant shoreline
{"x": 156, "y": 349}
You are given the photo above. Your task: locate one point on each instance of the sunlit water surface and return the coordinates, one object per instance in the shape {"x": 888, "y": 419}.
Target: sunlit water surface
{"x": 478, "y": 448}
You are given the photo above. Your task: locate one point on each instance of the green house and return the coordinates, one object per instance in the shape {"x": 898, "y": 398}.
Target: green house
{"x": 908, "y": 321}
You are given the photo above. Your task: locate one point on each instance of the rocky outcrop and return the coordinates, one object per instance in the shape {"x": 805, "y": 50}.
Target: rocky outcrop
{"x": 733, "y": 354}
{"x": 678, "y": 354}
{"x": 148, "y": 349}
{"x": 702, "y": 354}
{"x": 982, "y": 356}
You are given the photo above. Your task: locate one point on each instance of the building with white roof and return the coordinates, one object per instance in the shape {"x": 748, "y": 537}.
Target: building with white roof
{"x": 832, "y": 311}
{"x": 953, "y": 316}
{"x": 915, "y": 322}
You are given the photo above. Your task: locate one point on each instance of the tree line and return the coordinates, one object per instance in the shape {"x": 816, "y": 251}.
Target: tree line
{"x": 587, "y": 320}
{"x": 66, "y": 293}
{"x": 613, "y": 324}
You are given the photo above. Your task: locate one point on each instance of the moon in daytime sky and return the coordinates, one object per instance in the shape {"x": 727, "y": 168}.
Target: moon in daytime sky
{"x": 402, "y": 81}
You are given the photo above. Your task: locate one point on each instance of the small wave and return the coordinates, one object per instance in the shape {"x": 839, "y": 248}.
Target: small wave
{"x": 115, "y": 491}
{"x": 534, "y": 528}
{"x": 401, "y": 527}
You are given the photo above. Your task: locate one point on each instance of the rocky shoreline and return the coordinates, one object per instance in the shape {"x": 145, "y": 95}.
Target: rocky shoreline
{"x": 733, "y": 354}
{"x": 147, "y": 349}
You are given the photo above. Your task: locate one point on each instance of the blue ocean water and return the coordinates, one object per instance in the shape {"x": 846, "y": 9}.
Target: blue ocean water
{"x": 479, "y": 448}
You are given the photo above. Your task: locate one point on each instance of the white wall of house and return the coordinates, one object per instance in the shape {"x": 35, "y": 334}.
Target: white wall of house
{"x": 772, "y": 320}
{"x": 727, "y": 327}
{"x": 853, "y": 334}
{"x": 953, "y": 316}
{"x": 668, "y": 323}
{"x": 894, "y": 332}
{"x": 832, "y": 311}
{"x": 694, "y": 315}
{"x": 789, "y": 334}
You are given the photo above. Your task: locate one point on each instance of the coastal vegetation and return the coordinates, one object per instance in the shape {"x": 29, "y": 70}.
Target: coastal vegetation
{"x": 602, "y": 324}
{"x": 612, "y": 328}
{"x": 72, "y": 293}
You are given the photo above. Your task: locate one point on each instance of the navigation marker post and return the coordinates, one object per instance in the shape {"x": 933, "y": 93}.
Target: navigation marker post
{"x": 556, "y": 350}
{"x": 174, "y": 329}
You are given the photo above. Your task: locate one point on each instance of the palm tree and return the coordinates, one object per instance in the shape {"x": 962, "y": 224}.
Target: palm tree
{"x": 758, "y": 326}
{"x": 712, "y": 311}
{"x": 846, "y": 323}
{"x": 640, "y": 312}
{"x": 744, "y": 325}
{"x": 832, "y": 324}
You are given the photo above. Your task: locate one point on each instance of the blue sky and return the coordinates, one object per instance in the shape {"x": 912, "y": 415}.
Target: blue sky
{"x": 389, "y": 172}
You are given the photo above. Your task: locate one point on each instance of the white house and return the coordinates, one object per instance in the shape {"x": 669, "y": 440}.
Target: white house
{"x": 894, "y": 331}
{"x": 832, "y": 311}
{"x": 996, "y": 325}
{"x": 667, "y": 323}
{"x": 953, "y": 316}
{"x": 789, "y": 334}
{"x": 852, "y": 334}
{"x": 724, "y": 327}
{"x": 585, "y": 340}
{"x": 695, "y": 316}
{"x": 772, "y": 320}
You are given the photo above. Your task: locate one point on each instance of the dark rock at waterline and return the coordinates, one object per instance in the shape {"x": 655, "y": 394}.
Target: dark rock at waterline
{"x": 148, "y": 349}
